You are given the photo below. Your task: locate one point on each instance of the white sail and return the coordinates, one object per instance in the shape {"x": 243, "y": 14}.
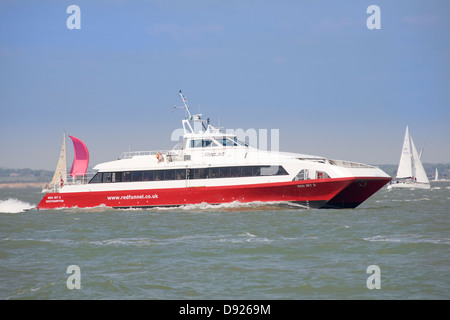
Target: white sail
{"x": 418, "y": 170}
{"x": 420, "y": 154}
{"x": 61, "y": 167}
{"x": 436, "y": 175}
{"x": 405, "y": 165}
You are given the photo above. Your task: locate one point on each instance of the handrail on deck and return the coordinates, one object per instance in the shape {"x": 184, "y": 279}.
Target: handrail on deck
{"x": 349, "y": 164}
{"x": 131, "y": 154}
{"x": 70, "y": 181}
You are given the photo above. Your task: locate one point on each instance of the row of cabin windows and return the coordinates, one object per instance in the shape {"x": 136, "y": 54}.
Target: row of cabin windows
{"x": 182, "y": 174}
{"x": 205, "y": 143}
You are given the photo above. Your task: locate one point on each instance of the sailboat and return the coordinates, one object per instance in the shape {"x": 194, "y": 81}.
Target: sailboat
{"x": 436, "y": 175}
{"x": 79, "y": 165}
{"x": 410, "y": 172}
{"x": 60, "y": 175}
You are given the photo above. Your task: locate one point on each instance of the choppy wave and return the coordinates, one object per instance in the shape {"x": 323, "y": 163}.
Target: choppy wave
{"x": 13, "y": 205}
{"x": 407, "y": 239}
{"x": 412, "y": 200}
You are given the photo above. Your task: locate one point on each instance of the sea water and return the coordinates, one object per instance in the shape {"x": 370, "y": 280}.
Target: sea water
{"x": 396, "y": 245}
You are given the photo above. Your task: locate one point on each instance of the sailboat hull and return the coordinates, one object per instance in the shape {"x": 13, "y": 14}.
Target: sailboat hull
{"x": 408, "y": 185}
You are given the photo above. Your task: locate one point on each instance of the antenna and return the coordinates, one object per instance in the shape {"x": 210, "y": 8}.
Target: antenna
{"x": 194, "y": 118}
{"x": 185, "y": 104}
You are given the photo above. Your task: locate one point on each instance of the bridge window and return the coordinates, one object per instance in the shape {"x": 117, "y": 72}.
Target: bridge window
{"x": 97, "y": 178}
{"x": 107, "y": 177}
{"x": 201, "y": 143}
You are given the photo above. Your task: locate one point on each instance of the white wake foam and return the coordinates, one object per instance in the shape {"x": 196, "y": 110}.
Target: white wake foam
{"x": 13, "y": 205}
{"x": 232, "y": 205}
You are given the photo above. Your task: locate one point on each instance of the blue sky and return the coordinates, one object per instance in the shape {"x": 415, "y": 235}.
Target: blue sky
{"x": 311, "y": 69}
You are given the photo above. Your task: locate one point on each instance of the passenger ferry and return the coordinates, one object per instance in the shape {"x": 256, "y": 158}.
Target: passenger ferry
{"x": 210, "y": 166}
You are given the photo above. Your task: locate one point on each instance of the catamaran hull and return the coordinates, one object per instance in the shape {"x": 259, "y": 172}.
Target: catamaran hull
{"x": 320, "y": 193}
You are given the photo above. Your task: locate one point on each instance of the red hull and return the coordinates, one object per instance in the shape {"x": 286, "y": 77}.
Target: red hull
{"x": 321, "y": 193}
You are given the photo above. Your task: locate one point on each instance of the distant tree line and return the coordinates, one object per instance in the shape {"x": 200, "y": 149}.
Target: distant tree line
{"x": 430, "y": 169}
{"x": 24, "y": 175}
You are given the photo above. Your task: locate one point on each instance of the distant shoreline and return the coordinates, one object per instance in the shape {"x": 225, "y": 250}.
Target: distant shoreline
{"x": 22, "y": 185}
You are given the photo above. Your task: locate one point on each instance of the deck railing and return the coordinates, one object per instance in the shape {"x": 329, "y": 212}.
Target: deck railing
{"x": 131, "y": 154}
{"x": 166, "y": 155}
{"x": 70, "y": 181}
{"x": 349, "y": 164}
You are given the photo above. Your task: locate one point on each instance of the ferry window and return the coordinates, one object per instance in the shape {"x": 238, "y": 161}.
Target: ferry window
{"x": 169, "y": 175}
{"x": 206, "y": 143}
{"x": 231, "y": 143}
{"x": 158, "y": 175}
{"x": 234, "y": 142}
{"x": 194, "y": 174}
{"x": 97, "y": 178}
{"x": 147, "y": 176}
{"x": 236, "y": 171}
{"x": 116, "y": 177}
{"x": 199, "y": 173}
{"x": 214, "y": 172}
{"x": 137, "y": 176}
{"x": 196, "y": 143}
{"x": 126, "y": 176}
{"x": 322, "y": 175}
{"x": 227, "y": 142}
{"x": 203, "y": 173}
{"x": 281, "y": 171}
{"x": 239, "y": 142}
{"x": 225, "y": 172}
{"x": 180, "y": 174}
{"x": 247, "y": 171}
{"x": 106, "y": 177}
{"x": 269, "y": 171}
{"x": 302, "y": 175}
{"x": 222, "y": 142}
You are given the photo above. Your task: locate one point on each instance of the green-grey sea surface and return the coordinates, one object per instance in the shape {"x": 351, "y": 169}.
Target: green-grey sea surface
{"x": 233, "y": 251}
